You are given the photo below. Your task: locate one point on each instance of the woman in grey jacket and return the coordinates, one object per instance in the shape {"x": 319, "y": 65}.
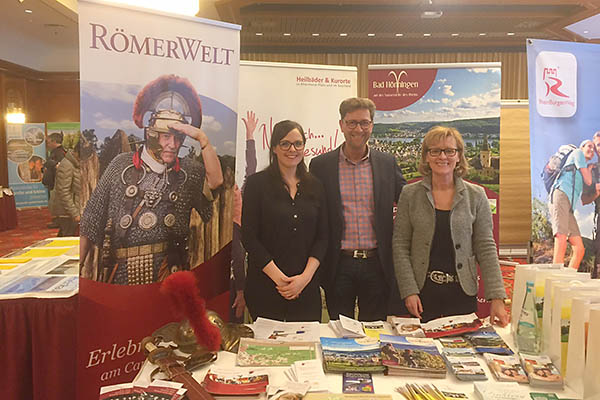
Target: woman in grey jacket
{"x": 443, "y": 227}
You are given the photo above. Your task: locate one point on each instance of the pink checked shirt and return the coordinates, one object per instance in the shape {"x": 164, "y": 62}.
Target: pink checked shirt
{"x": 358, "y": 205}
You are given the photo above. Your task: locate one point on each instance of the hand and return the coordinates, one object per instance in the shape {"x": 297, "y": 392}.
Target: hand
{"x": 191, "y": 131}
{"x": 77, "y": 219}
{"x": 413, "y": 304}
{"x": 498, "y": 315}
{"x": 239, "y": 303}
{"x": 294, "y": 287}
{"x": 250, "y": 121}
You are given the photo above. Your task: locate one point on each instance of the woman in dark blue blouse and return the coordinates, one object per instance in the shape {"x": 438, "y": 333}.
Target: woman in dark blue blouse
{"x": 284, "y": 231}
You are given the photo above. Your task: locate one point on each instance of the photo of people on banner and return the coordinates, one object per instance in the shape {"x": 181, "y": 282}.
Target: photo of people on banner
{"x": 565, "y": 153}
{"x": 153, "y": 210}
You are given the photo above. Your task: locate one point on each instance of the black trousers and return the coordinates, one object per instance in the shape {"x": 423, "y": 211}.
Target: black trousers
{"x": 362, "y": 279}
{"x": 67, "y": 227}
{"x": 444, "y": 300}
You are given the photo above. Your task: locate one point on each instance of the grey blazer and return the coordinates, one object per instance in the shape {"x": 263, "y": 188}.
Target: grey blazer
{"x": 472, "y": 236}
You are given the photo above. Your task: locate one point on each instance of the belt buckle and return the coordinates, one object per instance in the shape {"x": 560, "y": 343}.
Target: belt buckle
{"x": 359, "y": 254}
{"x": 438, "y": 277}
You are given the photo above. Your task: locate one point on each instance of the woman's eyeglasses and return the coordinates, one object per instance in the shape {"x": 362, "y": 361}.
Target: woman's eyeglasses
{"x": 285, "y": 145}
{"x": 449, "y": 152}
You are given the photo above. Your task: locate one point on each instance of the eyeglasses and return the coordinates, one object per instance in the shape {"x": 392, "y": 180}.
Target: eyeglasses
{"x": 364, "y": 124}
{"x": 449, "y": 152}
{"x": 285, "y": 145}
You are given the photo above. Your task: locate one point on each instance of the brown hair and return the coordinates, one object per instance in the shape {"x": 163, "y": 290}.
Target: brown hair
{"x": 433, "y": 137}
{"x": 357, "y": 103}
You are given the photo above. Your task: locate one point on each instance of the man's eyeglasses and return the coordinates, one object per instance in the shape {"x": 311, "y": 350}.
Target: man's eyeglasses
{"x": 449, "y": 152}
{"x": 364, "y": 124}
{"x": 285, "y": 145}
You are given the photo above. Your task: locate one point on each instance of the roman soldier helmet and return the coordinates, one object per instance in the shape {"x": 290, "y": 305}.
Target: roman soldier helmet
{"x": 168, "y": 98}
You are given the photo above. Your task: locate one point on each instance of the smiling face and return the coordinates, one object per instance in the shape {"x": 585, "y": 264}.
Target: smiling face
{"x": 358, "y": 136}
{"x": 588, "y": 150}
{"x": 291, "y": 157}
{"x": 169, "y": 144}
{"x": 443, "y": 164}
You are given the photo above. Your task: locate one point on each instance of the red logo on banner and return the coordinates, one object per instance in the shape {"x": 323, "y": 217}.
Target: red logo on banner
{"x": 556, "y": 83}
{"x": 397, "y": 89}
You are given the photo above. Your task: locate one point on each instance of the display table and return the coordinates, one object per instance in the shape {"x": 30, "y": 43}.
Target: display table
{"x": 8, "y": 210}
{"x": 38, "y": 343}
{"x": 382, "y": 384}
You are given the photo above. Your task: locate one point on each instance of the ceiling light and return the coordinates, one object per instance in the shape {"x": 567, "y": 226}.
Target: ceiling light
{"x": 28, "y": 11}
{"x": 482, "y": 34}
{"x": 287, "y": 34}
{"x": 21, "y": 1}
{"x": 510, "y": 34}
{"x": 315, "y": 34}
{"x": 431, "y": 14}
{"x": 427, "y": 34}
{"x": 399, "y": 34}
{"x": 455, "y": 34}
{"x": 343, "y": 34}
{"x": 370, "y": 34}
{"x": 586, "y": 31}
{"x": 258, "y": 34}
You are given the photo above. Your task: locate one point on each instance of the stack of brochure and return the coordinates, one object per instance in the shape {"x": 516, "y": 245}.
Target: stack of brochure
{"x": 406, "y": 326}
{"x": 412, "y": 357}
{"x": 506, "y": 368}
{"x": 500, "y": 391}
{"x": 350, "y": 328}
{"x": 156, "y": 390}
{"x": 358, "y": 355}
{"x": 451, "y": 326}
{"x": 486, "y": 340}
{"x": 541, "y": 371}
{"x": 273, "y": 353}
{"x": 265, "y": 328}
{"x": 465, "y": 367}
{"x": 310, "y": 372}
{"x": 357, "y": 382}
{"x": 236, "y": 382}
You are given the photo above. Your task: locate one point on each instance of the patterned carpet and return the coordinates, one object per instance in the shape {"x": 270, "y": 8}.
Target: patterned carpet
{"x": 32, "y": 227}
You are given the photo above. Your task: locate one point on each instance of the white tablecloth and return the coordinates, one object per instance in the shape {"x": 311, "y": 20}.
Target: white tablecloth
{"x": 382, "y": 384}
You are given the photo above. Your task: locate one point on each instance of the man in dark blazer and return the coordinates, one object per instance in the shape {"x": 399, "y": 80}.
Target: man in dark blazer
{"x": 362, "y": 186}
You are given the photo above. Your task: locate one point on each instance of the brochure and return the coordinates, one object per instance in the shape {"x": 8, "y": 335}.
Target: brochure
{"x": 506, "y": 368}
{"x": 271, "y": 353}
{"x": 358, "y": 355}
{"x": 541, "y": 371}
{"x": 233, "y": 381}
{"x": 451, "y": 326}
{"x": 406, "y": 326}
{"x": 357, "y": 382}
{"x": 412, "y": 356}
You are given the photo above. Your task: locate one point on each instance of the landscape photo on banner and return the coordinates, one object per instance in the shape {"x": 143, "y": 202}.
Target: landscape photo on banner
{"x": 412, "y": 98}
{"x": 26, "y": 155}
{"x": 141, "y": 72}
{"x": 308, "y": 94}
{"x": 563, "y": 115}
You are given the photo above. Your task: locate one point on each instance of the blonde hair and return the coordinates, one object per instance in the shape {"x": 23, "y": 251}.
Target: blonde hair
{"x": 432, "y": 138}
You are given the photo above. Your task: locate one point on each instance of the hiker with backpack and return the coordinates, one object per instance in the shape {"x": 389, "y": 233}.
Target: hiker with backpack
{"x": 565, "y": 191}
{"x": 591, "y": 193}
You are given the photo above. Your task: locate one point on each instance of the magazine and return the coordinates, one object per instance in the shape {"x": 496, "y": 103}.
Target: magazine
{"x": 541, "y": 371}
{"x": 465, "y": 367}
{"x": 406, "y": 326}
{"x": 234, "y": 382}
{"x": 272, "y": 353}
{"x": 486, "y": 340}
{"x": 358, "y": 355}
{"x": 451, "y": 326}
{"x": 506, "y": 368}
{"x": 412, "y": 356}
{"x": 357, "y": 382}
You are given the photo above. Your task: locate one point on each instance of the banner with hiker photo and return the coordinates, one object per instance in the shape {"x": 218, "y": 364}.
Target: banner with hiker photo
{"x": 565, "y": 140}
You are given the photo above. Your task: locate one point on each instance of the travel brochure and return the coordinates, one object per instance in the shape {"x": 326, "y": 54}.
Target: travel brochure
{"x": 236, "y": 382}
{"x": 347, "y": 327}
{"x": 412, "y": 356}
{"x": 273, "y": 353}
{"x": 451, "y": 326}
{"x": 357, "y": 382}
{"x": 158, "y": 389}
{"x": 541, "y": 371}
{"x": 40, "y": 286}
{"x": 506, "y": 368}
{"x": 356, "y": 355}
{"x": 487, "y": 340}
{"x": 406, "y": 326}
{"x": 265, "y": 328}
{"x": 465, "y": 367}
{"x": 309, "y": 372}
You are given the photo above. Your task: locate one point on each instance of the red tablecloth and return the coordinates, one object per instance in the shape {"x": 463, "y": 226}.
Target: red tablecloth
{"x": 38, "y": 344}
{"x": 8, "y": 213}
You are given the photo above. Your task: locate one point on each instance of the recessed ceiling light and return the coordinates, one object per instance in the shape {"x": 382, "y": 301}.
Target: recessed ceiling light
{"x": 455, "y": 34}
{"x": 482, "y": 34}
{"x": 315, "y": 34}
{"x": 399, "y": 34}
{"x": 427, "y": 34}
{"x": 28, "y": 11}
{"x": 343, "y": 34}
{"x": 287, "y": 34}
{"x": 510, "y": 34}
{"x": 258, "y": 34}
{"x": 21, "y": 1}
{"x": 586, "y": 31}
{"x": 370, "y": 34}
